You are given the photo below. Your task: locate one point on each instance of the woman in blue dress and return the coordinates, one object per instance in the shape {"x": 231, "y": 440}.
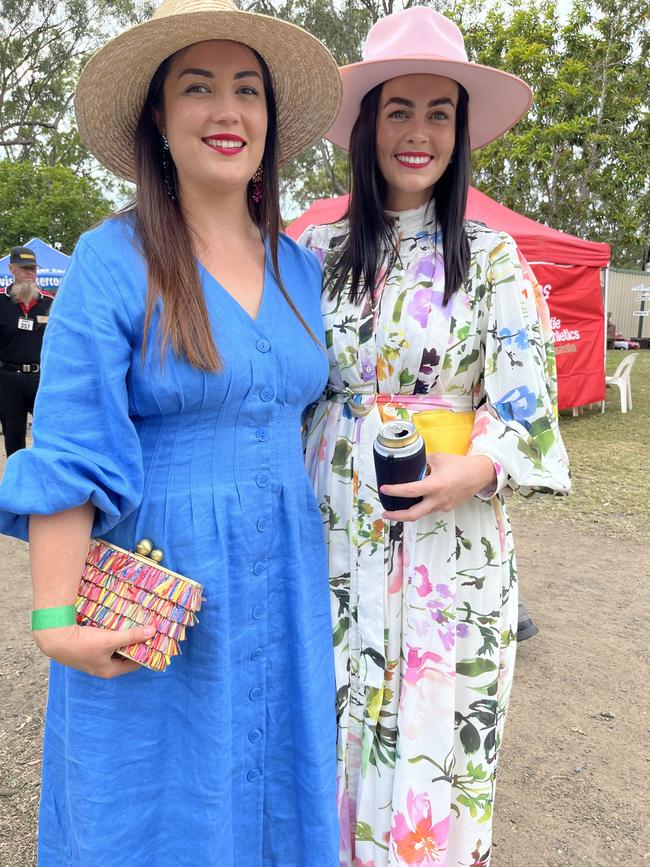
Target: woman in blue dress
{"x": 182, "y": 348}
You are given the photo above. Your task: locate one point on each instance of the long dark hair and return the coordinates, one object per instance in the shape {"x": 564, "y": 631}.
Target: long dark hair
{"x": 167, "y": 242}
{"x": 371, "y": 240}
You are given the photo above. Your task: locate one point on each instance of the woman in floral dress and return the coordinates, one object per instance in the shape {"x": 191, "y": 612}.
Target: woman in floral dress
{"x": 423, "y": 312}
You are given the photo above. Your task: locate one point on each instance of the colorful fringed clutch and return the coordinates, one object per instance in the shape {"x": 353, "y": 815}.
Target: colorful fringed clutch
{"x": 120, "y": 589}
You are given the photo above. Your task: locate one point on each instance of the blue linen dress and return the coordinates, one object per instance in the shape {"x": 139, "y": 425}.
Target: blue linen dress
{"x": 228, "y": 757}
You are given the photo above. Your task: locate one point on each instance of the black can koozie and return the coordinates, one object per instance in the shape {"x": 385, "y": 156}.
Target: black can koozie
{"x": 400, "y": 456}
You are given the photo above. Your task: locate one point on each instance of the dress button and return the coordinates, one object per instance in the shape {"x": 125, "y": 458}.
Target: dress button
{"x": 256, "y": 693}
{"x": 254, "y": 735}
{"x": 256, "y": 654}
{"x": 267, "y": 393}
{"x": 263, "y": 345}
{"x": 262, "y": 480}
{"x": 253, "y": 775}
{"x": 262, "y": 434}
{"x": 258, "y": 612}
{"x": 259, "y": 567}
{"x": 262, "y": 524}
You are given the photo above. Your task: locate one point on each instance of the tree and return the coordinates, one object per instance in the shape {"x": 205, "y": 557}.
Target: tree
{"x": 579, "y": 160}
{"x": 51, "y": 202}
{"x": 43, "y": 45}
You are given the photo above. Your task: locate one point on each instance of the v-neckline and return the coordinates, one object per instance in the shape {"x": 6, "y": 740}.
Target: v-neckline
{"x": 253, "y": 319}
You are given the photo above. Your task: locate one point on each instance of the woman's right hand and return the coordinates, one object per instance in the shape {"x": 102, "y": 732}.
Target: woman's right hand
{"x": 92, "y": 650}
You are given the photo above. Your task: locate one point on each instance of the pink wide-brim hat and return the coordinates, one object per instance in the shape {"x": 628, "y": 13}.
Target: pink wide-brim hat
{"x": 419, "y": 40}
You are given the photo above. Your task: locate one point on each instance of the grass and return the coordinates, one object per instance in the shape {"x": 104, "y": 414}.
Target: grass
{"x": 610, "y": 463}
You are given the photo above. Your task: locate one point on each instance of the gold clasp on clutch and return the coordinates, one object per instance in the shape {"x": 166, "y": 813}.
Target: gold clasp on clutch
{"x": 146, "y": 549}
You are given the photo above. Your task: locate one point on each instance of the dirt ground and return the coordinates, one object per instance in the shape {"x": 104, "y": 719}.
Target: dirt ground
{"x": 573, "y": 775}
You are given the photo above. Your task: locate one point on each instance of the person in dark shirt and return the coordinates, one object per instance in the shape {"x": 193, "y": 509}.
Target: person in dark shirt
{"x": 23, "y": 316}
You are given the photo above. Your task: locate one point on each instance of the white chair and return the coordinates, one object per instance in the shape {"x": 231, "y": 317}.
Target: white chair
{"x": 621, "y": 379}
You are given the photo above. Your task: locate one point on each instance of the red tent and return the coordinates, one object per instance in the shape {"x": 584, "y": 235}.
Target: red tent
{"x": 568, "y": 269}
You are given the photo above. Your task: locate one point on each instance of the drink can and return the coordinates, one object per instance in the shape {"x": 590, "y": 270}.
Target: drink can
{"x": 400, "y": 456}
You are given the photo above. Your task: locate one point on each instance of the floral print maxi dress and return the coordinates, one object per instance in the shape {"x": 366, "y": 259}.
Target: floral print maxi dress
{"x": 425, "y": 614}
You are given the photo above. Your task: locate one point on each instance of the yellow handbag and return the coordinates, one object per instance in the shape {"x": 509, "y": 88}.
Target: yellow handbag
{"x": 445, "y": 431}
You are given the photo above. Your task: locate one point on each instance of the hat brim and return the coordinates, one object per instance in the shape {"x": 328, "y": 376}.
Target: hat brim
{"x": 114, "y": 84}
{"x": 497, "y": 100}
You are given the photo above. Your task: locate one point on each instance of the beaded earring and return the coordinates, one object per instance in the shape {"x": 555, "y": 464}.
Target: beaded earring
{"x": 168, "y": 172}
{"x": 257, "y": 184}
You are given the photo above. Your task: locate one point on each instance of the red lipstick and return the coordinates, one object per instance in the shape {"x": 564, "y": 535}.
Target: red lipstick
{"x": 413, "y": 159}
{"x": 227, "y": 144}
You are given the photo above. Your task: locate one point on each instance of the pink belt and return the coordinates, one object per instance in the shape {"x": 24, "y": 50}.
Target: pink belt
{"x": 361, "y": 403}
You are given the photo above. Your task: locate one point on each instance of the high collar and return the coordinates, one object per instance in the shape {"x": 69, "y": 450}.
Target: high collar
{"x": 415, "y": 220}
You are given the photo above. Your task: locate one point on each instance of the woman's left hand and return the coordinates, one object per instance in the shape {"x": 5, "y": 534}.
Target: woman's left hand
{"x": 451, "y": 480}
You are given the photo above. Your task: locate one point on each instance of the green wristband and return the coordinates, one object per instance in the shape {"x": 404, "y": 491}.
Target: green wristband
{"x": 50, "y": 618}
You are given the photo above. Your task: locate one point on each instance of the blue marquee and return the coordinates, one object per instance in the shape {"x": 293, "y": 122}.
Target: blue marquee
{"x": 51, "y": 266}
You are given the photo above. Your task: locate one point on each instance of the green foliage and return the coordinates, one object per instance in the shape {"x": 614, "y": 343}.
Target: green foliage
{"x": 578, "y": 160}
{"x": 43, "y": 46}
{"x": 50, "y": 202}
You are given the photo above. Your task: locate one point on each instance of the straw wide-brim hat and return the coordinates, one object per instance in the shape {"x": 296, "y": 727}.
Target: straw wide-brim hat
{"x": 419, "y": 40}
{"x": 113, "y": 86}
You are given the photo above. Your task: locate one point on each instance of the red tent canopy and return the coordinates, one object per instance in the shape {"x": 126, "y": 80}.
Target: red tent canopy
{"x": 567, "y": 268}
{"x": 536, "y": 241}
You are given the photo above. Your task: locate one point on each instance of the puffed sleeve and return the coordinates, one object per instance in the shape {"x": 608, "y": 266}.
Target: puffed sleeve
{"x": 85, "y": 447}
{"x": 517, "y": 423}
